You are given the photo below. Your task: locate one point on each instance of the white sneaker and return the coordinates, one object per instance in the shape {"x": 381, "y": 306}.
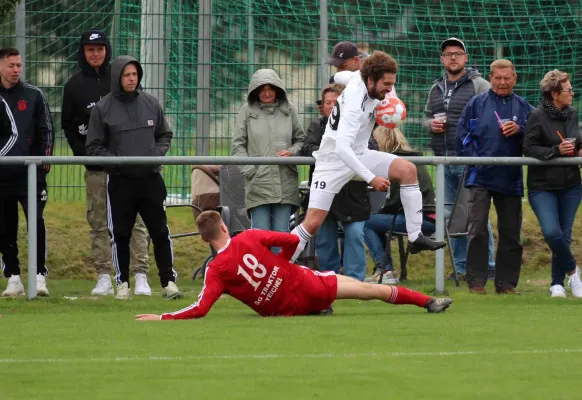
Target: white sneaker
{"x": 389, "y": 278}
{"x": 171, "y": 291}
{"x": 123, "y": 292}
{"x": 141, "y": 285}
{"x": 104, "y": 286}
{"x": 14, "y": 288}
{"x": 558, "y": 291}
{"x": 575, "y": 283}
{"x": 41, "y": 289}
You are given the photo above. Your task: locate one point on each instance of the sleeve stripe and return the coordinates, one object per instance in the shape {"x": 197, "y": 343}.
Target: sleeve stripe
{"x": 192, "y": 306}
{"x": 14, "y": 136}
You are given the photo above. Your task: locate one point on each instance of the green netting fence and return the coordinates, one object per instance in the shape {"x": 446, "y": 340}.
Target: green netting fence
{"x": 179, "y": 40}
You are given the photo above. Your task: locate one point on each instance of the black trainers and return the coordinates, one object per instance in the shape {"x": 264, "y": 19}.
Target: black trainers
{"x": 438, "y": 304}
{"x": 423, "y": 243}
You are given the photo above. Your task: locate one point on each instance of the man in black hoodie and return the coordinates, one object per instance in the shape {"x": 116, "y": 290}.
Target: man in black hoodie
{"x": 129, "y": 122}
{"x": 31, "y": 134}
{"x": 81, "y": 92}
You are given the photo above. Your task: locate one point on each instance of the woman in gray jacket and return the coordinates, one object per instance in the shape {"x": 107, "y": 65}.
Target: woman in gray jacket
{"x": 268, "y": 125}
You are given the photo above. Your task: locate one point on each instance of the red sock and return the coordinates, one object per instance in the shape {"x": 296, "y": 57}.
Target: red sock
{"x": 402, "y": 295}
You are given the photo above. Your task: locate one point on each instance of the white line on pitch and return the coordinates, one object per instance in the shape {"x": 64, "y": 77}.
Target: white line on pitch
{"x": 283, "y": 356}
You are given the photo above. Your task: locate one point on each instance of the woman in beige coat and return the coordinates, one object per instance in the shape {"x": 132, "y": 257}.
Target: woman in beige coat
{"x": 268, "y": 125}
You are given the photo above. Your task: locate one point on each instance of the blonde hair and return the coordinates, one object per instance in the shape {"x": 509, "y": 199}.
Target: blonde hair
{"x": 332, "y": 88}
{"x": 209, "y": 223}
{"x": 501, "y": 63}
{"x": 552, "y": 82}
{"x": 390, "y": 140}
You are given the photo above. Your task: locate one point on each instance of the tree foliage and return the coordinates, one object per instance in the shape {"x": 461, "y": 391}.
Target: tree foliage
{"x": 6, "y": 7}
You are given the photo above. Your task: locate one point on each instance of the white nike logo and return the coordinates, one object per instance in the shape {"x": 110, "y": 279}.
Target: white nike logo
{"x": 94, "y": 36}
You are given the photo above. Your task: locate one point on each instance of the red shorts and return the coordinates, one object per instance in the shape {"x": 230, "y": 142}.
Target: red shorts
{"x": 316, "y": 293}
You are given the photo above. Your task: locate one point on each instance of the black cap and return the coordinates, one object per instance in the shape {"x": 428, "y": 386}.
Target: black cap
{"x": 94, "y": 36}
{"x": 342, "y": 52}
{"x": 453, "y": 42}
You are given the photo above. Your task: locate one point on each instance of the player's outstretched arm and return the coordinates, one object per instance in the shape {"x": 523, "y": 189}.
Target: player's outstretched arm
{"x": 148, "y": 317}
{"x": 286, "y": 241}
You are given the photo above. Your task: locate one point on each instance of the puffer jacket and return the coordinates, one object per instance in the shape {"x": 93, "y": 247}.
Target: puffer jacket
{"x": 262, "y": 130}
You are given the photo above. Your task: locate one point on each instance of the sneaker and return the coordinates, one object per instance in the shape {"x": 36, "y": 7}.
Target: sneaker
{"x": 478, "y": 290}
{"x": 575, "y": 283}
{"x": 491, "y": 275}
{"x": 389, "y": 278}
{"x": 558, "y": 291}
{"x": 438, "y": 304}
{"x": 41, "y": 289}
{"x": 123, "y": 292}
{"x": 14, "y": 288}
{"x": 374, "y": 278}
{"x": 141, "y": 285}
{"x": 104, "y": 286}
{"x": 423, "y": 243}
{"x": 460, "y": 277}
{"x": 171, "y": 291}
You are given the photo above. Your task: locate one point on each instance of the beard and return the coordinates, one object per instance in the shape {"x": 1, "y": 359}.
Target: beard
{"x": 375, "y": 93}
{"x": 455, "y": 70}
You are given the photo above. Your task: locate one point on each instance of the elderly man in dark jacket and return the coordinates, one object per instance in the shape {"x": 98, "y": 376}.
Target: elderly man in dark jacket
{"x": 492, "y": 125}
{"x": 129, "y": 122}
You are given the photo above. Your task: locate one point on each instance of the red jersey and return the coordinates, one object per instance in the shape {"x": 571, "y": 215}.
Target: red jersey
{"x": 247, "y": 270}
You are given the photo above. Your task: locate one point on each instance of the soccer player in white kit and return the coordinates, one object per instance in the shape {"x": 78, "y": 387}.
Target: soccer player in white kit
{"x": 343, "y": 154}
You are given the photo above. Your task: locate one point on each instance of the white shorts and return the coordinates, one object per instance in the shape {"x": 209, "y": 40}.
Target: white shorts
{"x": 331, "y": 174}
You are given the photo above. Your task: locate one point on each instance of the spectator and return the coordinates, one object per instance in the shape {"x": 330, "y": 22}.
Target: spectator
{"x": 492, "y": 125}
{"x": 350, "y": 208}
{"x": 393, "y": 141}
{"x": 268, "y": 125}
{"x": 129, "y": 122}
{"x": 346, "y": 56}
{"x": 81, "y": 92}
{"x": 31, "y": 134}
{"x": 555, "y": 192}
{"x": 446, "y": 99}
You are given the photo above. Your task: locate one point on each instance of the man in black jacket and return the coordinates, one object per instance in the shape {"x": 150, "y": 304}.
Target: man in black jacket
{"x": 129, "y": 122}
{"x": 31, "y": 134}
{"x": 350, "y": 207}
{"x": 446, "y": 99}
{"x": 81, "y": 92}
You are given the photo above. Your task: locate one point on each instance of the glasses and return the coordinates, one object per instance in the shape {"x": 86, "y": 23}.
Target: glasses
{"x": 570, "y": 91}
{"x": 455, "y": 54}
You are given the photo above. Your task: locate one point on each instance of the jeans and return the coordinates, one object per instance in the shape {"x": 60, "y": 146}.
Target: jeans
{"x": 271, "y": 217}
{"x": 354, "y": 253}
{"x": 556, "y": 211}
{"x": 453, "y": 175}
{"x": 375, "y": 235}
{"x": 509, "y": 250}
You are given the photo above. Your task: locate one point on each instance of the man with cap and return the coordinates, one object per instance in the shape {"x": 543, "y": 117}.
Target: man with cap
{"x": 81, "y": 93}
{"x": 446, "y": 99}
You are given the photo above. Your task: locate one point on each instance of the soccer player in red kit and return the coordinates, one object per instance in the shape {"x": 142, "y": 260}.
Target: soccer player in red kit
{"x": 246, "y": 269}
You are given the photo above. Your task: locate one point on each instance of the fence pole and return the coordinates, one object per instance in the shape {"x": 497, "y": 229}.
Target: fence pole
{"x": 323, "y": 42}
{"x": 440, "y": 228}
{"x": 32, "y": 234}
{"x": 203, "y": 78}
{"x": 20, "y": 30}
{"x": 152, "y": 49}
{"x": 250, "y": 38}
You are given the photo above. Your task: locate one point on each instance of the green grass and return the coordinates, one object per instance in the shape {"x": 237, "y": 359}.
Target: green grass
{"x": 483, "y": 347}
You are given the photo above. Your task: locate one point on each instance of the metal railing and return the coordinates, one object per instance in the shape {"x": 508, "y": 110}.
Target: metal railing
{"x": 440, "y": 162}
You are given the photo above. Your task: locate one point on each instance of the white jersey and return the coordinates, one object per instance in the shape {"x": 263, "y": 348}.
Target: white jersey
{"x": 349, "y": 126}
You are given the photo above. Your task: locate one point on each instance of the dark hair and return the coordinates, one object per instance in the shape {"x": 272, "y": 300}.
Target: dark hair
{"x": 254, "y": 96}
{"x": 8, "y": 52}
{"x": 378, "y": 64}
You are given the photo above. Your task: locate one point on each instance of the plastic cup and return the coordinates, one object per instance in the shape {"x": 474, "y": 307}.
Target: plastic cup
{"x": 501, "y": 122}
{"x": 442, "y": 117}
{"x": 573, "y": 141}
{"x": 277, "y": 147}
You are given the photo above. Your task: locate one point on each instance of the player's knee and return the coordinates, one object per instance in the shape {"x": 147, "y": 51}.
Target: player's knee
{"x": 406, "y": 172}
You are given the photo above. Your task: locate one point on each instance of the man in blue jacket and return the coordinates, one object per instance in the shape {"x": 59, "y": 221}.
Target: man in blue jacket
{"x": 492, "y": 125}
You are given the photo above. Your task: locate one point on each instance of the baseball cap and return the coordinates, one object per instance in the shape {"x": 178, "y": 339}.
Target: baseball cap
{"x": 341, "y": 52}
{"x": 94, "y": 36}
{"x": 453, "y": 42}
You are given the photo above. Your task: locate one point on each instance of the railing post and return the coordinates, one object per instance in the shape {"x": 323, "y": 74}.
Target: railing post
{"x": 440, "y": 228}
{"x": 32, "y": 195}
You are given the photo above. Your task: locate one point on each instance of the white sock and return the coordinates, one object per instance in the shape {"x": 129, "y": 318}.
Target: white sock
{"x": 411, "y": 199}
{"x": 304, "y": 237}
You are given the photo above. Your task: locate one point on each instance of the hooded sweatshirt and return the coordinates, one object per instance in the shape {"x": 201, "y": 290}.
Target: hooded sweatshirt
{"x": 82, "y": 91}
{"x": 128, "y": 124}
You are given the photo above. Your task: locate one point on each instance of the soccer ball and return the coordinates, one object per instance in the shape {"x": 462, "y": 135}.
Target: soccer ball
{"x": 390, "y": 113}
